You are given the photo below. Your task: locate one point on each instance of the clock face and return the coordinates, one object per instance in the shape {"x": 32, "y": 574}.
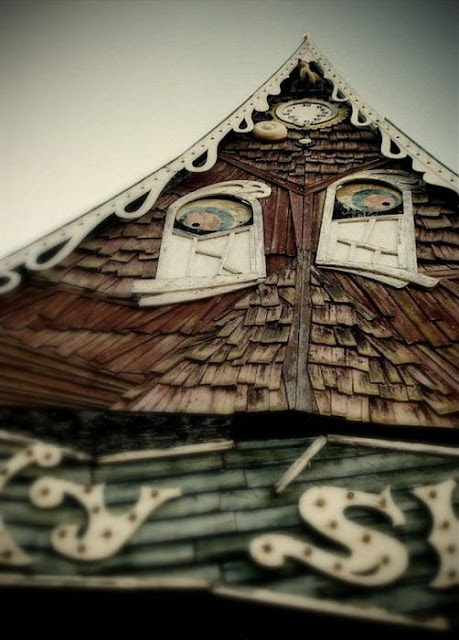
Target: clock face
{"x": 307, "y": 113}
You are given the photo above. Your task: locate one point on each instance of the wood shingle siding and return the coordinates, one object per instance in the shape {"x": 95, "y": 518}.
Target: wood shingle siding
{"x": 307, "y": 338}
{"x": 396, "y": 364}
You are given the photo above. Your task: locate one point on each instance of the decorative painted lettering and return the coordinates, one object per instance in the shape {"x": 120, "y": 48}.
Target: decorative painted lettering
{"x": 444, "y": 536}
{"x": 105, "y": 533}
{"x": 44, "y": 456}
{"x": 375, "y": 558}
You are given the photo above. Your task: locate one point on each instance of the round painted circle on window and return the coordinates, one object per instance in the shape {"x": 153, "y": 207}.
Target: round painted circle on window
{"x": 368, "y": 197}
{"x": 208, "y": 215}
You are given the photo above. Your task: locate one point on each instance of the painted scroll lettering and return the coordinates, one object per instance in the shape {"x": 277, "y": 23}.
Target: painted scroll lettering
{"x": 444, "y": 536}
{"x": 375, "y": 559}
{"x": 44, "y": 456}
{"x": 105, "y": 533}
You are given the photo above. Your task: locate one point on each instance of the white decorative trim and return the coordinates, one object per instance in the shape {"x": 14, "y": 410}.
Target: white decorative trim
{"x": 205, "y": 149}
{"x": 395, "y": 445}
{"x": 240, "y": 255}
{"x": 115, "y": 458}
{"x": 265, "y": 596}
{"x": 404, "y": 251}
{"x": 15, "y": 438}
{"x": 397, "y": 278}
{"x": 323, "y": 605}
{"x": 185, "y": 284}
{"x": 433, "y": 171}
{"x": 100, "y": 582}
{"x": 150, "y": 187}
{"x": 172, "y": 452}
{"x": 196, "y": 293}
{"x": 300, "y": 463}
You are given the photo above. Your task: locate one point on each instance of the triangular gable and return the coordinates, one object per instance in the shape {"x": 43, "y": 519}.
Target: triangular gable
{"x": 138, "y": 199}
{"x": 350, "y": 318}
{"x": 320, "y": 331}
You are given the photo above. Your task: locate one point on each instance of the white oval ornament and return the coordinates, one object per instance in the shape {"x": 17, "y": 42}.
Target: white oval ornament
{"x": 270, "y": 130}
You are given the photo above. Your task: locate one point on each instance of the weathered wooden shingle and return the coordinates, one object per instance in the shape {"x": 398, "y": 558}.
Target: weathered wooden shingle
{"x": 397, "y": 368}
{"x": 365, "y": 347}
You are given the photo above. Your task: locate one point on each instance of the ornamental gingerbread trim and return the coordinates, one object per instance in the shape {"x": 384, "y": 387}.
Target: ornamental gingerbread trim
{"x": 136, "y": 200}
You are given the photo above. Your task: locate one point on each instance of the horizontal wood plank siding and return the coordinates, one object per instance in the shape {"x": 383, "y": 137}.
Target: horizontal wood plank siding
{"x": 227, "y": 499}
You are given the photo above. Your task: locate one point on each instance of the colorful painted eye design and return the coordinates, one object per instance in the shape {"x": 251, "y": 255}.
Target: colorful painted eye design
{"x": 209, "y": 215}
{"x": 367, "y": 199}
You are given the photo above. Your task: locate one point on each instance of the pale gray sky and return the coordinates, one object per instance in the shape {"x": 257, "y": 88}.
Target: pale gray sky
{"x": 96, "y": 94}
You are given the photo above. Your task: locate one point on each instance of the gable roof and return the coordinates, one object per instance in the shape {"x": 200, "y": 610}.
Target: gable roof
{"x": 332, "y": 343}
{"x": 138, "y": 199}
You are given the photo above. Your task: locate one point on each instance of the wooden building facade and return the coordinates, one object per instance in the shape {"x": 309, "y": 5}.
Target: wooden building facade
{"x": 294, "y": 273}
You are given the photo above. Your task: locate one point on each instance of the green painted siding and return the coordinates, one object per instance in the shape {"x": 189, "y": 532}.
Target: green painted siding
{"x": 227, "y": 499}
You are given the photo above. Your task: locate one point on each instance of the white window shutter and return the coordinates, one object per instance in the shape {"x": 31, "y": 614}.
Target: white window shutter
{"x": 375, "y": 244}
{"x": 193, "y": 266}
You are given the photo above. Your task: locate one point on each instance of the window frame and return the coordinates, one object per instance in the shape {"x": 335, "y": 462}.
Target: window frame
{"x": 168, "y": 288}
{"x": 406, "y": 244}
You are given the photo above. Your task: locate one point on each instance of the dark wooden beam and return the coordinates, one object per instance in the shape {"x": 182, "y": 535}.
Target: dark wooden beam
{"x": 263, "y": 175}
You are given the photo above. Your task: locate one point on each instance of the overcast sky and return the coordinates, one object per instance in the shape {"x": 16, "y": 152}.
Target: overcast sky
{"x": 96, "y": 94}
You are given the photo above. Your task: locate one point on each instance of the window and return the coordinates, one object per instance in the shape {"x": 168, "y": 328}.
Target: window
{"x": 212, "y": 243}
{"x": 368, "y": 228}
